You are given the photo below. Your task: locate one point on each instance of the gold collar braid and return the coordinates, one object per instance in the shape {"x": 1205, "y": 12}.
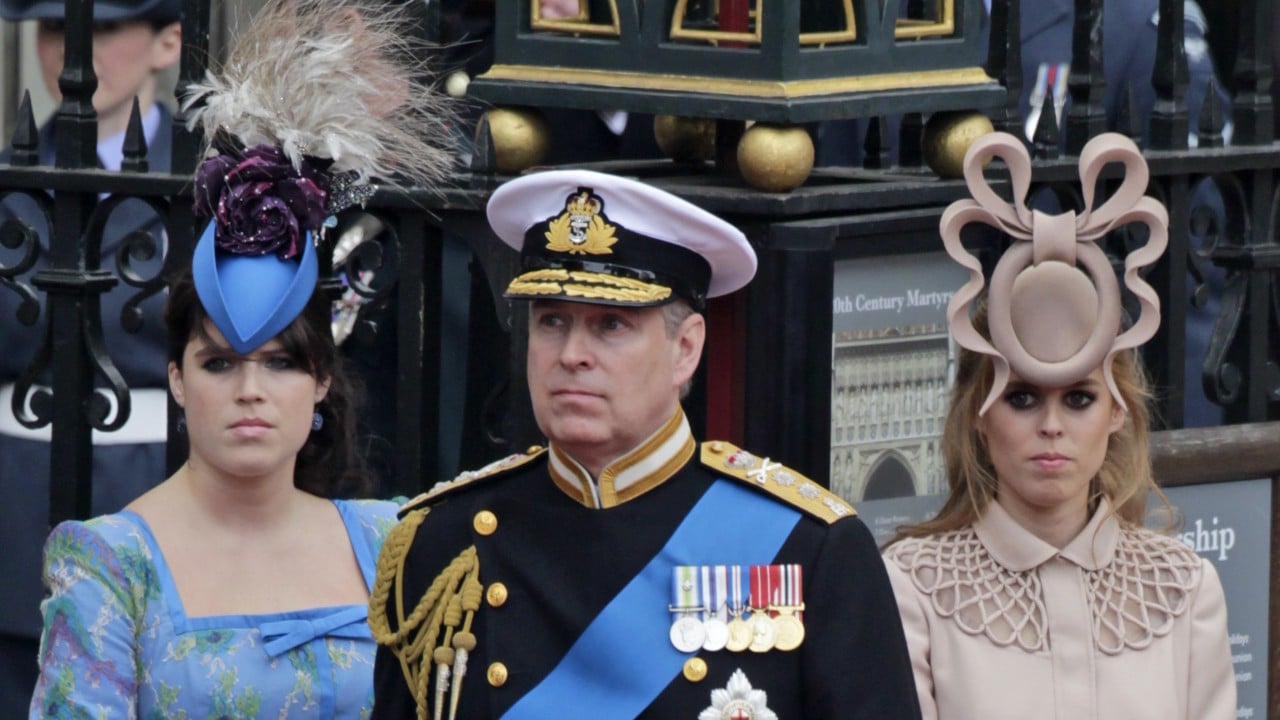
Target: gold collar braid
{"x": 449, "y": 604}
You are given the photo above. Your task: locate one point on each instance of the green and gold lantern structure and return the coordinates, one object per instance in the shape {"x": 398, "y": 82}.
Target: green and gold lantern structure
{"x": 777, "y": 64}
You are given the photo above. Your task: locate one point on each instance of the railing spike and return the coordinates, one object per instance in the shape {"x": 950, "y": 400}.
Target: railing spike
{"x": 1210, "y": 124}
{"x": 26, "y": 136}
{"x": 135, "y": 142}
{"x": 1045, "y": 139}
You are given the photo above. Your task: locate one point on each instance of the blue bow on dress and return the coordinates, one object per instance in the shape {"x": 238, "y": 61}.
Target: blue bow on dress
{"x": 281, "y": 636}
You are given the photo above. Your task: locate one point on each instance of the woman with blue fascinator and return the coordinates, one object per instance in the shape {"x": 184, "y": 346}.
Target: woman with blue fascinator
{"x": 1036, "y": 592}
{"x": 239, "y": 586}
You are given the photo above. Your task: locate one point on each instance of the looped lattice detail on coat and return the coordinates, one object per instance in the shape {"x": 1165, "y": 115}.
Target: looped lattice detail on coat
{"x": 1135, "y": 598}
{"x": 965, "y": 583}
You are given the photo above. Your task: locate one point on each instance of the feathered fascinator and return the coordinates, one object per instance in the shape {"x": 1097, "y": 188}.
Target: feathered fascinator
{"x": 1053, "y": 307}
{"x": 317, "y": 99}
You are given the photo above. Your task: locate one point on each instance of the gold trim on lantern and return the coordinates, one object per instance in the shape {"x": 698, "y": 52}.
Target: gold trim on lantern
{"x": 540, "y": 74}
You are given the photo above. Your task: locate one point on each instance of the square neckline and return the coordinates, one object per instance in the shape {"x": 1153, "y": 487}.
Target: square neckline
{"x": 183, "y": 623}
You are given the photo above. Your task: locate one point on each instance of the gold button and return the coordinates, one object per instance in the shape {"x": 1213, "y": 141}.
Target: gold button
{"x": 717, "y": 447}
{"x": 485, "y": 522}
{"x": 497, "y": 674}
{"x": 497, "y": 594}
{"x": 533, "y": 449}
{"x": 695, "y": 669}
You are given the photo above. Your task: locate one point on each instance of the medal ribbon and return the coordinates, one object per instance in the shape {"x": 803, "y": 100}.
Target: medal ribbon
{"x": 794, "y": 595}
{"x": 603, "y": 677}
{"x": 736, "y": 605}
{"x": 684, "y": 588}
{"x": 762, "y": 585}
{"x": 715, "y": 581}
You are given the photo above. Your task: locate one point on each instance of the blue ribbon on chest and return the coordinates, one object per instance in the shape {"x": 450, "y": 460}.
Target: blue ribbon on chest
{"x": 624, "y": 659}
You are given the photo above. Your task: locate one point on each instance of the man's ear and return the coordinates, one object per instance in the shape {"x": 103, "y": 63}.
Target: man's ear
{"x": 688, "y": 347}
{"x": 166, "y": 48}
{"x": 175, "y": 385}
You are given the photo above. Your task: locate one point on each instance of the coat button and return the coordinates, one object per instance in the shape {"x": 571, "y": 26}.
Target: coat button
{"x": 533, "y": 449}
{"x": 695, "y": 669}
{"x": 717, "y": 447}
{"x": 497, "y": 674}
{"x": 496, "y": 595}
{"x": 485, "y": 522}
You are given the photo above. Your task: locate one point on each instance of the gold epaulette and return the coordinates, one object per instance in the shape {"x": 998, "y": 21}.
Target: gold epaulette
{"x": 494, "y": 469}
{"x": 776, "y": 479}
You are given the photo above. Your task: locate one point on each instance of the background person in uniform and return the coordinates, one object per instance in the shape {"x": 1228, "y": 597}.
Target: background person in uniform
{"x": 1128, "y": 60}
{"x": 1036, "y": 592}
{"x": 239, "y": 586}
{"x": 134, "y": 40}
{"x": 627, "y": 570}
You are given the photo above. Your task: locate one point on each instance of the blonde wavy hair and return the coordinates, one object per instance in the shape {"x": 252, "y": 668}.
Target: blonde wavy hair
{"x": 1125, "y": 478}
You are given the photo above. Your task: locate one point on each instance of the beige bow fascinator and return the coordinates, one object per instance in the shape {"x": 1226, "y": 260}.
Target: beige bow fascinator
{"x": 1053, "y": 306}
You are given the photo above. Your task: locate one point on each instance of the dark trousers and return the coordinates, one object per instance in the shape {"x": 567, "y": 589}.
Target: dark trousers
{"x": 18, "y": 670}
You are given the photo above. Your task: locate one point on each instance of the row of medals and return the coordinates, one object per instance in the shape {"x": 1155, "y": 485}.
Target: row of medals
{"x": 759, "y": 631}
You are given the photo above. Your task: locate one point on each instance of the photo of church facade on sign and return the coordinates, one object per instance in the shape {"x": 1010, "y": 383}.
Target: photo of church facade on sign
{"x": 892, "y": 368}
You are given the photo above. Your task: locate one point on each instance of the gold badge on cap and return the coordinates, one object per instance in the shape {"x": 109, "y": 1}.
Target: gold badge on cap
{"x": 581, "y": 229}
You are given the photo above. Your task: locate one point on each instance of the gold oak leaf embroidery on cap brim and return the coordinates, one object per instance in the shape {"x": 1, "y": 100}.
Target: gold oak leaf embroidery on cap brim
{"x": 588, "y": 284}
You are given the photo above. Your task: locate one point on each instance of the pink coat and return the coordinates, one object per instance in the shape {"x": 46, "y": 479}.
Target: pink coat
{"x": 1121, "y": 624}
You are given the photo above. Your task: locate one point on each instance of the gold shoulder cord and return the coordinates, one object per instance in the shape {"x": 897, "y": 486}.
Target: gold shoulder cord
{"x": 451, "y": 601}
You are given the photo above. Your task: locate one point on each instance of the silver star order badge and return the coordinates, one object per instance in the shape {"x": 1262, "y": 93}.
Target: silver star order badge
{"x": 738, "y": 701}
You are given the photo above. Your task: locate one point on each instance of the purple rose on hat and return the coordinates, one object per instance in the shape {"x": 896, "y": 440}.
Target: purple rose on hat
{"x": 260, "y": 203}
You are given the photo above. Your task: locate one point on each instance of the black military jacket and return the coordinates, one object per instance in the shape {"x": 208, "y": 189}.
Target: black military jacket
{"x": 549, "y": 561}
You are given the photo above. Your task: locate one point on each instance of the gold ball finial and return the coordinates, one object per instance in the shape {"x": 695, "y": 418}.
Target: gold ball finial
{"x": 685, "y": 139}
{"x": 520, "y": 137}
{"x": 775, "y": 158}
{"x": 947, "y": 137}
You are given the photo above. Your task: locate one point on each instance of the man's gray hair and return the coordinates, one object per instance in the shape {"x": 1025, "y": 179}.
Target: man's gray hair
{"x": 674, "y": 314}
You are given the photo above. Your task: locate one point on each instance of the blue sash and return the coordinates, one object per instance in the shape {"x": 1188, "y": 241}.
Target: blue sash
{"x": 624, "y": 659}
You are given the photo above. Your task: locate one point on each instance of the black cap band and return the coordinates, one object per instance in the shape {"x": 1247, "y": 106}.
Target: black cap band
{"x": 598, "y": 249}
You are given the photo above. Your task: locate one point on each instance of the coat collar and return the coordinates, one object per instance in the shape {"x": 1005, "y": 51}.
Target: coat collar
{"x": 647, "y": 466}
{"x": 1014, "y": 547}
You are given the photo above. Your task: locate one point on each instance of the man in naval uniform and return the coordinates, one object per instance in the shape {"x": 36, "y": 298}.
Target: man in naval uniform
{"x": 627, "y": 570}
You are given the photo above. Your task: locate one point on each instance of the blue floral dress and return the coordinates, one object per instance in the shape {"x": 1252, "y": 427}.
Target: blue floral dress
{"x": 118, "y": 644}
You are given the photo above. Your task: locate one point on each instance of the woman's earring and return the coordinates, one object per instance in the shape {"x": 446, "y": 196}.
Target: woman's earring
{"x": 181, "y": 423}
{"x": 317, "y": 421}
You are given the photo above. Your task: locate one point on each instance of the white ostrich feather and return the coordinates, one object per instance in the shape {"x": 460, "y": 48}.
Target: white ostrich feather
{"x": 335, "y": 79}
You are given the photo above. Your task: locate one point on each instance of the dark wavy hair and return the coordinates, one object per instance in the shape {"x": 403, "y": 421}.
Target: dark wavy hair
{"x": 331, "y": 463}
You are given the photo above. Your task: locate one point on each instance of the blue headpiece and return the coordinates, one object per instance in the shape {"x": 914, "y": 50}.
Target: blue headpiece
{"x": 255, "y": 265}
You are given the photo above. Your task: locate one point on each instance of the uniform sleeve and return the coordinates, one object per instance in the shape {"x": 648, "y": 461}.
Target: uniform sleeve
{"x": 88, "y": 667}
{"x": 915, "y": 625}
{"x": 856, "y": 665}
{"x": 1211, "y": 691}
